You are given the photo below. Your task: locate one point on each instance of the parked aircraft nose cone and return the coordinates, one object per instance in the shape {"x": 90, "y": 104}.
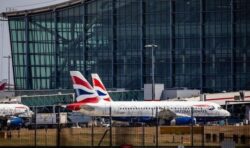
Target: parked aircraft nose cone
{"x": 227, "y": 113}
{"x": 30, "y": 113}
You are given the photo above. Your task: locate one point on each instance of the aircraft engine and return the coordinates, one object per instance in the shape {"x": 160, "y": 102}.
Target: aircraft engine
{"x": 182, "y": 121}
{"x": 15, "y": 122}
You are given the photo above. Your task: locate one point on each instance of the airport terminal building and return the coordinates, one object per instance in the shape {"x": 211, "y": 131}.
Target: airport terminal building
{"x": 201, "y": 44}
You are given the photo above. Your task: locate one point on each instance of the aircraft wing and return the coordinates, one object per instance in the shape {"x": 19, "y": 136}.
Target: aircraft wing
{"x": 166, "y": 114}
{"x": 26, "y": 114}
{"x": 182, "y": 115}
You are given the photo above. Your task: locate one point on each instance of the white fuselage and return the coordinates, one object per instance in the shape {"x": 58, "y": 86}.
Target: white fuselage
{"x": 7, "y": 110}
{"x": 149, "y": 108}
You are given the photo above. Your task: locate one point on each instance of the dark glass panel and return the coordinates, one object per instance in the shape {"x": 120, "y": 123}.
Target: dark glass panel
{"x": 113, "y": 40}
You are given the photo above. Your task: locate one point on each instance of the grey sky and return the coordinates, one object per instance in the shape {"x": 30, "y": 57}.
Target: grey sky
{"x": 7, "y": 5}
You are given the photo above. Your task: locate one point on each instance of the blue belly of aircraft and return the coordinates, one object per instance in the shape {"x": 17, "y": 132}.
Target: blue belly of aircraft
{"x": 208, "y": 119}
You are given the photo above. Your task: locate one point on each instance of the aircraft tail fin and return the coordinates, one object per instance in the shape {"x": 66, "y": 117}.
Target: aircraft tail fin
{"x": 84, "y": 92}
{"x": 3, "y": 84}
{"x": 100, "y": 88}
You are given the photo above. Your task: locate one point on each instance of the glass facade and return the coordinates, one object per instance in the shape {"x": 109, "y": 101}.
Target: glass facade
{"x": 202, "y": 44}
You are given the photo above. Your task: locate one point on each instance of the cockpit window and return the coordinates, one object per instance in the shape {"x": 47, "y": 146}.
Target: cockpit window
{"x": 219, "y": 107}
{"x": 211, "y": 107}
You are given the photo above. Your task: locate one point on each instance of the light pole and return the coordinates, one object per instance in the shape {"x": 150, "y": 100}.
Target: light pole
{"x": 152, "y": 46}
{"x": 8, "y": 57}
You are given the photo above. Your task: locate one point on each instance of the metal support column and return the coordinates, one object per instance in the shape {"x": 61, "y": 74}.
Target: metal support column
{"x": 70, "y": 54}
{"x": 153, "y": 71}
{"x": 28, "y": 66}
{"x": 85, "y": 50}
{"x": 201, "y": 46}
{"x": 192, "y": 126}
{"x": 171, "y": 70}
{"x": 203, "y": 135}
{"x": 226, "y": 103}
{"x": 114, "y": 47}
{"x": 142, "y": 42}
{"x": 57, "y": 75}
{"x": 232, "y": 48}
{"x": 92, "y": 132}
{"x": 143, "y": 135}
{"x": 58, "y": 139}
{"x": 35, "y": 126}
{"x": 156, "y": 129}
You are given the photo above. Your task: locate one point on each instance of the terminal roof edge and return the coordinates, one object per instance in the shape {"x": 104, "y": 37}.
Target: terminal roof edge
{"x": 41, "y": 9}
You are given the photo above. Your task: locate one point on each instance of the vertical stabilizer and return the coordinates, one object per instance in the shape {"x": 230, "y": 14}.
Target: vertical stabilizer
{"x": 100, "y": 88}
{"x": 83, "y": 90}
{"x": 3, "y": 84}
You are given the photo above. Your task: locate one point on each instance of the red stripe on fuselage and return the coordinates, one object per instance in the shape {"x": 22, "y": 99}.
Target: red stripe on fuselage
{"x": 20, "y": 107}
{"x": 202, "y": 105}
{"x": 77, "y": 105}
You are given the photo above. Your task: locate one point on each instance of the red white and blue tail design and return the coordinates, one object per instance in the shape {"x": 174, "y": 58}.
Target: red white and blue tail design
{"x": 85, "y": 93}
{"x": 100, "y": 88}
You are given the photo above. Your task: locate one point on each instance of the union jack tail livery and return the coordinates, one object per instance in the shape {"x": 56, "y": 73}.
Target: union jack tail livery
{"x": 100, "y": 88}
{"x": 85, "y": 93}
{"x": 95, "y": 101}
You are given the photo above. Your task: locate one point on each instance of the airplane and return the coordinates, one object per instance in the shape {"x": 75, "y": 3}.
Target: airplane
{"x": 11, "y": 115}
{"x": 3, "y": 84}
{"x": 177, "y": 112}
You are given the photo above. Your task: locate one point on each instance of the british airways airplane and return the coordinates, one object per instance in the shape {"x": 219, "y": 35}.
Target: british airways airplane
{"x": 9, "y": 114}
{"x": 97, "y": 102}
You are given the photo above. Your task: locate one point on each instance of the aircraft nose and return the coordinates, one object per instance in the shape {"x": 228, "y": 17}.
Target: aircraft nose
{"x": 31, "y": 112}
{"x": 227, "y": 113}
